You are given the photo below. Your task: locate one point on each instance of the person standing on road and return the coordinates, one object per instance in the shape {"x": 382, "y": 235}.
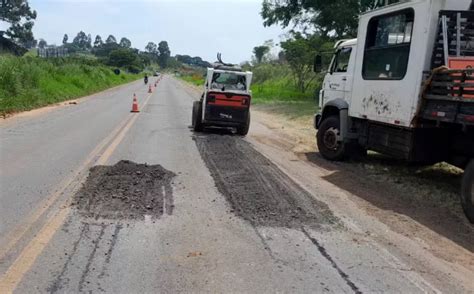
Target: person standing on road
{"x": 146, "y": 79}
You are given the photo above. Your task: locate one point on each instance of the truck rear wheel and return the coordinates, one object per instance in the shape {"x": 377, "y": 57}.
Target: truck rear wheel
{"x": 196, "y": 118}
{"x": 467, "y": 191}
{"x": 244, "y": 129}
{"x": 327, "y": 139}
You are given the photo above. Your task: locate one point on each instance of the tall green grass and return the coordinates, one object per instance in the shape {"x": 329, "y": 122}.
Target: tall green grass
{"x": 279, "y": 90}
{"x": 195, "y": 79}
{"x": 275, "y": 83}
{"x": 274, "y": 91}
{"x": 30, "y": 82}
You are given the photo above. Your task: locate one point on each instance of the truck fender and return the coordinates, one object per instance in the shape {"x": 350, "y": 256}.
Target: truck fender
{"x": 335, "y": 107}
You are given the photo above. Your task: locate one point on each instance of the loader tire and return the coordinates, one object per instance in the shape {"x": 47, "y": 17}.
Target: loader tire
{"x": 197, "y": 118}
{"x": 244, "y": 129}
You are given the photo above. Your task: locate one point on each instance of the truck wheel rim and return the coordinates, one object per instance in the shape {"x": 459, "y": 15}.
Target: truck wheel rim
{"x": 330, "y": 138}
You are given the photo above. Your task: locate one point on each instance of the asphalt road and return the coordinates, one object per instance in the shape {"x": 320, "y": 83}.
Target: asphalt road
{"x": 230, "y": 221}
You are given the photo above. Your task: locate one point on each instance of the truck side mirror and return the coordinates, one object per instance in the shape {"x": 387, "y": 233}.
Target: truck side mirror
{"x": 318, "y": 64}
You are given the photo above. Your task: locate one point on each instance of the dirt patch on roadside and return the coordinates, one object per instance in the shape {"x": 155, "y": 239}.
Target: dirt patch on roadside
{"x": 126, "y": 190}
{"x": 419, "y": 202}
{"x": 257, "y": 189}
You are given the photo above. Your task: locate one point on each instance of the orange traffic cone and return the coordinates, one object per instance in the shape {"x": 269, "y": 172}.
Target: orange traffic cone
{"x": 149, "y": 89}
{"x": 135, "y": 104}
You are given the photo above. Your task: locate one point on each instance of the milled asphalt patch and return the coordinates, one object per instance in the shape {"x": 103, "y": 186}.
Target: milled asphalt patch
{"x": 256, "y": 189}
{"x": 126, "y": 190}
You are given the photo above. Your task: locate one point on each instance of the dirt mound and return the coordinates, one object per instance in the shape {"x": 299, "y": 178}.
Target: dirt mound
{"x": 126, "y": 190}
{"x": 256, "y": 188}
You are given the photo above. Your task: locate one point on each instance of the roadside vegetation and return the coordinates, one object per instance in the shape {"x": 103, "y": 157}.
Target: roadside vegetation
{"x": 34, "y": 73}
{"x": 29, "y": 82}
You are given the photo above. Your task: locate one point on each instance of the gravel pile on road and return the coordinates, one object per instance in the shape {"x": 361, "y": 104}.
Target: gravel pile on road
{"x": 126, "y": 190}
{"x": 257, "y": 189}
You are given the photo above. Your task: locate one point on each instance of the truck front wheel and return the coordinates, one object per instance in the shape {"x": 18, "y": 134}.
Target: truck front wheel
{"x": 328, "y": 141}
{"x": 467, "y": 191}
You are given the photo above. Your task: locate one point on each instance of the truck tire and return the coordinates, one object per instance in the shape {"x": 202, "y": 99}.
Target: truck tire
{"x": 197, "y": 119}
{"x": 467, "y": 191}
{"x": 244, "y": 129}
{"x": 326, "y": 139}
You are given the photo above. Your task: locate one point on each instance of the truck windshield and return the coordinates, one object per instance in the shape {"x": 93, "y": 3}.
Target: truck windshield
{"x": 341, "y": 61}
{"x": 228, "y": 81}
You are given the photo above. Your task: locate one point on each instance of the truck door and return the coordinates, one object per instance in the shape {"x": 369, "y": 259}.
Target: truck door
{"x": 338, "y": 82}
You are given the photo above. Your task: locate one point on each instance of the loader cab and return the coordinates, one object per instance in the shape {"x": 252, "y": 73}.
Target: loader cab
{"x": 225, "y": 101}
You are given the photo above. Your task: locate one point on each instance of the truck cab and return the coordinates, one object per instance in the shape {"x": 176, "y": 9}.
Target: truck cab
{"x": 404, "y": 88}
{"x": 338, "y": 83}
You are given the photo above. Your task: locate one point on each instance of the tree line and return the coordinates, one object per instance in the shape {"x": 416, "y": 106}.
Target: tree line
{"x": 116, "y": 53}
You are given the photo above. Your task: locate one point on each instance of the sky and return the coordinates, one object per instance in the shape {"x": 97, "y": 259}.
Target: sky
{"x": 191, "y": 27}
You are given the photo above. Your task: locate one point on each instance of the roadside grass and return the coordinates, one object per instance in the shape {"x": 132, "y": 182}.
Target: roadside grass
{"x": 281, "y": 90}
{"x": 194, "y": 79}
{"x": 30, "y": 82}
{"x": 279, "y": 96}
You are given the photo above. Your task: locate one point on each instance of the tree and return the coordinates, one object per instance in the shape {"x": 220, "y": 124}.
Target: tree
{"x": 128, "y": 58}
{"x": 81, "y": 41}
{"x": 89, "y": 41}
{"x": 111, "y": 40}
{"x": 326, "y": 16}
{"x": 151, "y": 48}
{"x": 122, "y": 57}
{"x": 299, "y": 52}
{"x": 104, "y": 49}
{"x": 125, "y": 43}
{"x": 42, "y": 44}
{"x": 20, "y": 16}
{"x": 164, "y": 54}
{"x": 65, "y": 38}
{"x": 98, "y": 41}
{"x": 259, "y": 52}
{"x": 184, "y": 58}
{"x": 281, "y": 57}
{"x": 173, "y": 63}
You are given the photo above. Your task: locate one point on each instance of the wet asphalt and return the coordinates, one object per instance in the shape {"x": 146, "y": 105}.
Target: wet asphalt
{"x": 211, "y": 239}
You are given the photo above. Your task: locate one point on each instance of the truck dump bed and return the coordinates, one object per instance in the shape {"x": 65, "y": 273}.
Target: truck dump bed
{"x": 449, "y": 96}
{"x": 448, "y": 93}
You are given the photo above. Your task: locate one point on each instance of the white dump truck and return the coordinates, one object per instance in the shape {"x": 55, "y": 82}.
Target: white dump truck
{"x": 405, "y": 88}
